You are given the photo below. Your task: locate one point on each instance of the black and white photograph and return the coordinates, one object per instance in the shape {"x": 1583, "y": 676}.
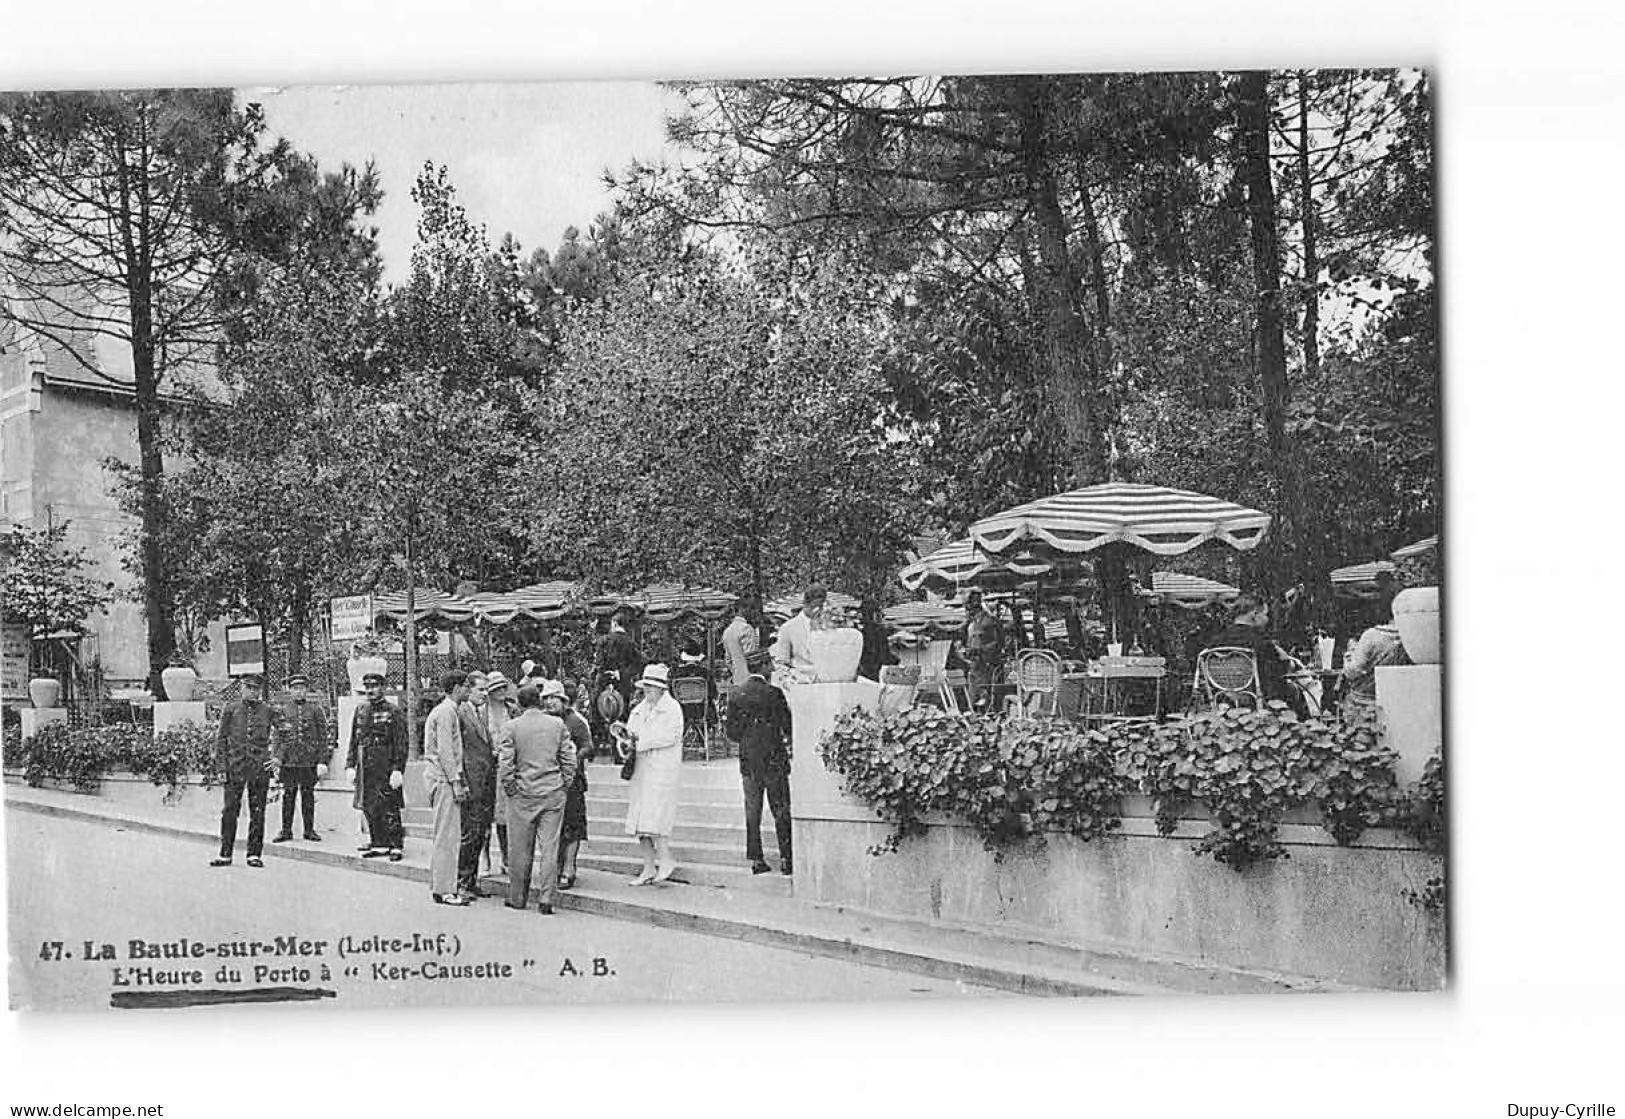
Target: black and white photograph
{"x": 953, "y": 534}
{"x": 969, "y": 536}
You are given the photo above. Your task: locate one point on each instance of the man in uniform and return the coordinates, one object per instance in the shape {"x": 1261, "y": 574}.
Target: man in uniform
{"x": 759, "y": 720}
{"x": 480, "y": 772}
{"x": 247, "y": 728}
{"x": 377, "y": 765}
{"x": 303, "y": 758}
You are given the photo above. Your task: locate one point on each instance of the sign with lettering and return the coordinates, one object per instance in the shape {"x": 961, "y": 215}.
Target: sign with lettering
{"x": 245, "y": 650}
{"x": 13, "y": 661}
{"x": 352, "y": 617}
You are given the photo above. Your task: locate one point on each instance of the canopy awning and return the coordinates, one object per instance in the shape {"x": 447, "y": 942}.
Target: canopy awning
{"x": 783, "y": 608}
{"x": 1158, "y": 519}
{"x": 539, "y": 601}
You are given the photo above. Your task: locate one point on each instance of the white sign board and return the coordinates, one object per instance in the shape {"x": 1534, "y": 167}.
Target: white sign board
{"x": 352, "y": 617}
{"x": 14, "y": 662}
{"x": 245, "y": 650}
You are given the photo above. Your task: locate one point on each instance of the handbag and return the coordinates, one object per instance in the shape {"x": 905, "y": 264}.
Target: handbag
{"x": 629, "y": 765}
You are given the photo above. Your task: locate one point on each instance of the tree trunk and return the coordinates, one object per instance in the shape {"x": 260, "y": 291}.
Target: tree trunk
{"x": 1253, "y": 133}
{"x": 148, "y": 428}
{"x": 1072, "y": 384}
{"x": 298, "y": 624}
{"x": 1311, "y": 254}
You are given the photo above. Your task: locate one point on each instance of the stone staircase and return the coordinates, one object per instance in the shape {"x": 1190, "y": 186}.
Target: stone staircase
{"x": 708, "y": 842}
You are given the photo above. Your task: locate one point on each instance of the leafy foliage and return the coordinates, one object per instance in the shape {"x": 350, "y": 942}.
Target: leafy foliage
{"x": 83, "y": 755}
{"x": 42, "y": 582}
{"x": 1012, "y": 780}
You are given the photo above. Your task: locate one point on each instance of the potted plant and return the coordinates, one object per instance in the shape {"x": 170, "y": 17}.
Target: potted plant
{"x": 44, "y": 691}
{"x": 366, "y": 656}
{"x": 179, "y": 678}
{"x": 1416, "y": 616}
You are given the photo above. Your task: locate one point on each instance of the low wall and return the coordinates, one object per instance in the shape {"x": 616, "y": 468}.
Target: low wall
{"x": 1329, "y": 913}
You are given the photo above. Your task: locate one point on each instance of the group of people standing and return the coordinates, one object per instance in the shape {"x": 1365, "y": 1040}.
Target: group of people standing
{"x": 512, "y": 759}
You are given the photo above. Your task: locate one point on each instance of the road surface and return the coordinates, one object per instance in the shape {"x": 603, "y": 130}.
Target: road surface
{"x": 103, "y": 916}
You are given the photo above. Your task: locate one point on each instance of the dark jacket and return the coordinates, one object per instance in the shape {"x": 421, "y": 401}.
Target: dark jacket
{"x": 309, "y": 740}
{"x": 245, "y": 741}
{"x": 479, "y": 753}
{"x": 377, "y": 747}
{"x": 759, "y": 720}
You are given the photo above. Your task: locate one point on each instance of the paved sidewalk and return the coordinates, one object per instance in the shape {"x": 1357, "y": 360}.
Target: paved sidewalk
{"x": 937, "y": 949}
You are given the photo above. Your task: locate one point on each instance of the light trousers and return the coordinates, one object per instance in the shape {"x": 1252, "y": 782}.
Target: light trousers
{"x": 448, "y": 836}
{"x": 534, "y": 824}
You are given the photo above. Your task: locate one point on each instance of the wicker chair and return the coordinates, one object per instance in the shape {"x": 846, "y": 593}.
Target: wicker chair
{"x": 1038, "y": 682}
{"x": 1228, "y": 673}
{"x": 695, "y": 692}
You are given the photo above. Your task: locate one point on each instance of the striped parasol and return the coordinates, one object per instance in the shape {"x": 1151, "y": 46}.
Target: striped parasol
{"x": 1158, "y": 519}
{"x": 924, "y": 617}
{"x": 1361, "y": 580}
{"x": 962, "y": 563}
{"x": 666, "y": 602}
{"x": 1420, "y": 548}
{"x": 1190, "y": 592}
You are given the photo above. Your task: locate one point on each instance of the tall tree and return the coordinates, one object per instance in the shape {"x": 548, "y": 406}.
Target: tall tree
{"x": 119, "y": 212}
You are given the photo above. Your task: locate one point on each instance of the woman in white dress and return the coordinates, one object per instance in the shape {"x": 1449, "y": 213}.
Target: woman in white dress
{"x": 656, "y": 726}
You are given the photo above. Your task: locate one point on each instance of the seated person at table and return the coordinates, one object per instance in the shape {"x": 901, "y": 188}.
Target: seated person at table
{"x": 1249, "y": 629}
{"x": 1378, "y": 646}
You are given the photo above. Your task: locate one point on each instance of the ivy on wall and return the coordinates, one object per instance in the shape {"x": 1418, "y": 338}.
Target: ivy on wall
{"x": 1015, "y": 780}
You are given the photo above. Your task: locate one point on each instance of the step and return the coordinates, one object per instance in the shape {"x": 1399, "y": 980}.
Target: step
{"x": 695, "y": 815}
{"x": 694, "y": 874}
{"x": 696, "y": 775}
{"x": 718, "y": 854}
{"x": 724, "y": 834}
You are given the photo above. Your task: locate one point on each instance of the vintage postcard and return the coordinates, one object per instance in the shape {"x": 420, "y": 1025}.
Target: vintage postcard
{"x": 789, "y": 539}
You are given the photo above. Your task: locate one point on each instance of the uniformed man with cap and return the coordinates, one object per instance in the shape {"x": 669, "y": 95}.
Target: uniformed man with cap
{"x": 247, "y": 728}
{"x": 303, "y": 757}
{"x": 377, "y": 765}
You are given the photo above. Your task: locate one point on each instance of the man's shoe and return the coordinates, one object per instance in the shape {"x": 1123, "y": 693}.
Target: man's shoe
{"x": 374, "y": 852}
{"x": 476, "y": 892}
{"x": 786, "y": 870}
{"x": 545, "y": 909}
{"x": 255, "y": 860}
{"x": 314, "y": 837}
{"x": 511, "y": 905}
{"x": 222, "y": 861}
{"x": 282, "y": 837}
{"x": 449, "y": 899}
{"x": 760, "y": 867}
{"x": 395, "y": 856}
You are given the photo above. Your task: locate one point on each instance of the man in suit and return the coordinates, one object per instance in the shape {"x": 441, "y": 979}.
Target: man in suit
{"x": 376, "y": 765}
{"x": 759, "y": 720}
{"x": 303, "y": 758}
{"x": 480, "y": 773}
{"x": 536, "y": 764}
{"x": 443, "y": 762}
{"x": 247, "y": 728}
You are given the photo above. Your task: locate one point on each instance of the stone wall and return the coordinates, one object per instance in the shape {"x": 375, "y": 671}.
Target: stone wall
{"x": 1329, "y": 913}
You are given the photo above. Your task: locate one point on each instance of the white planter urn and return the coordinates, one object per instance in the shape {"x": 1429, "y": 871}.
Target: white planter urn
{"x": 44, "y": 691}
{"x": 180, "y": 681}
{"x": 359, "y": 667}
{"x": 835, "y": 654}
{"x": 1416, "y": 615}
